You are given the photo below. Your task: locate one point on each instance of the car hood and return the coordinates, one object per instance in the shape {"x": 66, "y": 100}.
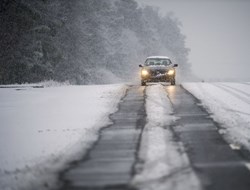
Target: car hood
{"x": 156, "y": 68}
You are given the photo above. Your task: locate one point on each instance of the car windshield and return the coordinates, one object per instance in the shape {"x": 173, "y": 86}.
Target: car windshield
{"x": 157, "y": 62}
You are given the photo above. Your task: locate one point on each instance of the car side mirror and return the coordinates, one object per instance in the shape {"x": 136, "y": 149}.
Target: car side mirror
{"x": 175, "y": 65}
{"x": 140, "y": 65}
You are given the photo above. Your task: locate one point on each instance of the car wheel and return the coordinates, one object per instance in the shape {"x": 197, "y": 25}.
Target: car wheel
{"x": 143, "y": 83}
{"x": 172, "y": 82}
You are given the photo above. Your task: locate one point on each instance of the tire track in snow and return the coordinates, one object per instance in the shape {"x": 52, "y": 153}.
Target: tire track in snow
{"x": 233, "y": 93}
{"x": 165, "y": 162}
{"x": 245, "y": 83}
{"x": 215, "y": 162}
{"x": 237, "y": 90}
{"x": 110, "y": 162}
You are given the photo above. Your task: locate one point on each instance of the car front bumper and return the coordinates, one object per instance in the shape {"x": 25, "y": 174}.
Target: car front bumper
{"x": 158, "y": 78}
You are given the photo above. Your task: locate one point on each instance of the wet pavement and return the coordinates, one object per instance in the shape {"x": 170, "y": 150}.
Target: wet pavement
{"x": 110, "y": 163}
{"x": 216, "y": 164}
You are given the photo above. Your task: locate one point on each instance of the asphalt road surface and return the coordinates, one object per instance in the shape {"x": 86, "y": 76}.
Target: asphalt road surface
{"x": 110, "y": 162}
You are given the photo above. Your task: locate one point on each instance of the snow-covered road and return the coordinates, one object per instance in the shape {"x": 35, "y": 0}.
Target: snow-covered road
{"x": 165, "y": 162}
{"x": 217, "y": 164}
{"x": 229, "y": 104}
{"x": 44, "y": 129}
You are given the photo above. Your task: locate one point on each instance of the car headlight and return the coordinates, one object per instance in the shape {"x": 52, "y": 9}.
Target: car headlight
{"x": 144, "y": 72}
{"x": 170, "y": 72}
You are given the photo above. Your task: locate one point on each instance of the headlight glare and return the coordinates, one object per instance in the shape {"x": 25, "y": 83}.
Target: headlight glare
{"x": 144, "y": 72}
{"x": 170, "y": 72}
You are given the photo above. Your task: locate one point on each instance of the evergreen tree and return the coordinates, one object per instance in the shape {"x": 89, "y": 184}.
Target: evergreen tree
{"x": 83, "y": 41}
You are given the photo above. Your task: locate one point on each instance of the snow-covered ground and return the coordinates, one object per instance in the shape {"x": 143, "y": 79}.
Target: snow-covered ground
{"x": 42, "y": 129}
{"x": 229, "y": 104}
{"x": 165, "y": 164}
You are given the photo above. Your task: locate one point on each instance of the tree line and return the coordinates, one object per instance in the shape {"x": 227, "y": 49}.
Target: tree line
{"x": 84, "y": 41}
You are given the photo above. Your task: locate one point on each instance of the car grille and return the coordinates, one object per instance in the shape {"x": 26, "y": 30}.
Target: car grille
{"x": 157, "y": 72}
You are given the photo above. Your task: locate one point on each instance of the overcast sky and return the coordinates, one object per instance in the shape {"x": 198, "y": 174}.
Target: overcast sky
{"x": 218, "y": 34}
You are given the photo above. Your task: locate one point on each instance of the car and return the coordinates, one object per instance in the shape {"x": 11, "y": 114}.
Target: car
{"x": 158, "y": 69}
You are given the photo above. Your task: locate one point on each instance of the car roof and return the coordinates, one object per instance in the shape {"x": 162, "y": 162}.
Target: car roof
{"x": 157, "y": 57}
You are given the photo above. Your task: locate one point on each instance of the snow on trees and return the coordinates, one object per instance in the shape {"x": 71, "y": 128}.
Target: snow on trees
{"x": 83, "y": 42}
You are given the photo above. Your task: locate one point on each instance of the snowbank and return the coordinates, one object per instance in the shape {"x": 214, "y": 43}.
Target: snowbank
{"x": 229, "y": 104}
{"x": 42, "y": 129}
{"x": 164, "y": 164}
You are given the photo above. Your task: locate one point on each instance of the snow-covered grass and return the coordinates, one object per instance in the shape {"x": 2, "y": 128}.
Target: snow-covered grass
{"x": 229, "y": 104}
{"x": 47, "y": 83}
{"x": 42, "y": 129}
{"x": 164, "y": 162}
